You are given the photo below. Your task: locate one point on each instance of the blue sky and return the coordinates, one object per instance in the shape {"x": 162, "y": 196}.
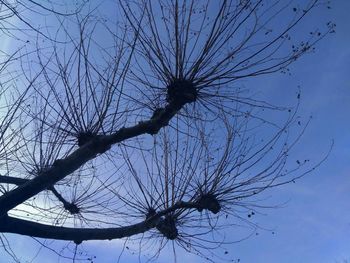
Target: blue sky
{"x": 313, "y": 223}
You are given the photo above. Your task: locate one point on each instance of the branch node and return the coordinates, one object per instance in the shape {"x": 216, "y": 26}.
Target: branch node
{"x": 167, "y": 226}
{"x": 209, "y": 202}
{"x": 78, "y": 242}
{"x": 72, "y": 208}
{"x": 181, "y": 92}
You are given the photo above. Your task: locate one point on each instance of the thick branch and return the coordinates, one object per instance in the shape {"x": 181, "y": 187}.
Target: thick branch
{"x": 28, "y": 228}
{"x": 62, "y": 168}
{"x": 23, "y": 227}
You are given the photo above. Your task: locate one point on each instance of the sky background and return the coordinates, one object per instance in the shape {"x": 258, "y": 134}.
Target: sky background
{"x": 313, "y": 224}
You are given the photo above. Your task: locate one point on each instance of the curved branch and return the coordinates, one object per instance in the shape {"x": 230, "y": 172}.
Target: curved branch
{"x": 23, "y": 227}
{"x": 63, "y": 167}
{"x": 28, "y": 228}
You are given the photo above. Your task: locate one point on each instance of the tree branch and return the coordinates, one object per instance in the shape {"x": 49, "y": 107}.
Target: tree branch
{"x": 20, "y": 181}
{"x": 28, "y": 228}
{"x": 63, "y": 167}
{"x": 23, "y": 227}
{"x": 12, "y": 180}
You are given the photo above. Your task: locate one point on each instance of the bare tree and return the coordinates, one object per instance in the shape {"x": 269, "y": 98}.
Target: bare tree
{"x": 135, "y": 127}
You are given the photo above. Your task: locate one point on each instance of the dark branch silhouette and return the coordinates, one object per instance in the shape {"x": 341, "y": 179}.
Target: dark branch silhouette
{"x": 136, "y": 124}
